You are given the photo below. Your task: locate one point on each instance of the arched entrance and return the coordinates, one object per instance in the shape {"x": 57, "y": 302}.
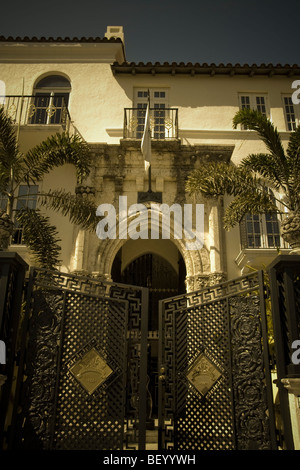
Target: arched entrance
{"x": 105, "y": 253}
{"x": 162, "y": 271}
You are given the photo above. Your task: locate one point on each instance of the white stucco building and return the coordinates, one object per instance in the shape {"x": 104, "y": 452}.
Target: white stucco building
{"x": 87, "y": 85}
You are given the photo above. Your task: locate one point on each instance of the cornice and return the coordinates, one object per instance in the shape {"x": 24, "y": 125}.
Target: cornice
{"x": 43, "y": 50}
{"x": 175, "y": 68}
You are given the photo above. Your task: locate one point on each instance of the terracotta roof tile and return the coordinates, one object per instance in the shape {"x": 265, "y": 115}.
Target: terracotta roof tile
{"x": 210, "y": 69}
{"x": 59, "y": 39}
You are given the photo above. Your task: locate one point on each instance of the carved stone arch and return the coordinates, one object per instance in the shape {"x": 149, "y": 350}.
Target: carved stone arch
{"x": 196, "y": 261}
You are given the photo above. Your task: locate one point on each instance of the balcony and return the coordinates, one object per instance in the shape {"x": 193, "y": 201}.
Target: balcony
{"x": 39, "y": 110}
{"x": 163, "y": 123}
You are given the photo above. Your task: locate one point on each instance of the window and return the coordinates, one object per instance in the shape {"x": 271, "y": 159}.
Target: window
{"x": 163, "y": 120}
{"x": 27, "y": 197}
{"x": 261, "y": 230}
{"x": 51, "y": 97}
{"x": 158, "y": 115}
{"x": 290, "y": 114}
{"x": 252, "y": 101}
{"x": 253, "y": 231}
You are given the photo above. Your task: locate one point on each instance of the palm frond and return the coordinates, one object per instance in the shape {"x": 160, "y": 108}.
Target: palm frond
{"x": 293, "y": 156}
{"x": 218, "y": 179}
{"x": 293, "y": 149}
{"x": 264, "y": 165}
{"x": 80, "y": 211}
{"x": 248, "y": 182}
{"x": 250, "y": 202}
{"x": 8, "y": 142}
{"x": 55, "y": 151}
{"x": 4, "y": 180}
{"x": 40, "y": 236}
{"x": 254, "y": 120}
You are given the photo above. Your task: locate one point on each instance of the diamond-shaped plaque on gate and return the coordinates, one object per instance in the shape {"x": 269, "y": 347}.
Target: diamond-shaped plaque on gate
{"x": 91, "y": 370}
{"x": 203, "y": 374}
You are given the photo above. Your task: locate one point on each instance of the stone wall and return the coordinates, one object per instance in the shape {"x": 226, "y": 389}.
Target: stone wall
{"x": 118, "y": 170}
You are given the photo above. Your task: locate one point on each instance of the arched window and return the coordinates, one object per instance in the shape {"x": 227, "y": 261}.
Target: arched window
{"x": 51, "y": 98}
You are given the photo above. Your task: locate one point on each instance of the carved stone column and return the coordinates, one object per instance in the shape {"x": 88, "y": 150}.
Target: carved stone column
{"x": 216, "y": 278}
{"x": 6, "y": 230}
{"x": 201, "y": 281}
{"x": 85, "y": 191}
{"x": 293, "y": 387}
{"x": 101, "y": 276}
{"x": 290, "y": 229}
{"x": 78, "y": 265}
{"x": 215, "y": 238}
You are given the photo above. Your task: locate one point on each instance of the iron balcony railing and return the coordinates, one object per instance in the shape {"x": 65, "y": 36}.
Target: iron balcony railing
{"x": 163, "y": 123}
{"x": 38, "y": 110}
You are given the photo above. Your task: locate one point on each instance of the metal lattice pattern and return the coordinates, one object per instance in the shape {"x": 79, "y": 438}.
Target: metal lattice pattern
{"x": 212, "y": 413}
{"x": 92, "y": 421}
{"x": 203, "y": 423}
{"x": 223, "y": 325}
{"x": 68, "y": 316}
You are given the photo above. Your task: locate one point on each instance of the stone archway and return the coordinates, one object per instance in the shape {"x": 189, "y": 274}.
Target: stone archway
{"x": 197, "y": 262}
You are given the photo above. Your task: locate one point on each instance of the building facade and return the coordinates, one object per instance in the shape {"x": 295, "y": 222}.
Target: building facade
{"x": 86, "y": 86}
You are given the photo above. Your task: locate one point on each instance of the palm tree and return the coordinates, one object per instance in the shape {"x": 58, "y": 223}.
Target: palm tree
{"x": 18, "y": 168}
{"x": 249, "y": 181}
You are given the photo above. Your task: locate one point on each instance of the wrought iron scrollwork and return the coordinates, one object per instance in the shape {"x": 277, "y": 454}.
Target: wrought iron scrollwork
{"x": 37, "y": 413}
{"x": 225, "y": 410}
{"x": 251, "y": 417}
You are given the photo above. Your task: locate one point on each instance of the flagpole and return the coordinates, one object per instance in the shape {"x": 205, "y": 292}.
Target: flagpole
{"x": 146, "y": 151}
{"x": 146, "y": 143}
{"x": 149, "y": 180}
{"x": 149, "y": 170}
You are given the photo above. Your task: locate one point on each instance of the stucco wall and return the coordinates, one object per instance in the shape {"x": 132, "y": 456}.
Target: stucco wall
{"x": 206, "y": 106}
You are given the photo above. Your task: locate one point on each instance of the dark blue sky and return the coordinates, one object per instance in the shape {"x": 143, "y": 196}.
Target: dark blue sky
{"x": 212, "y": 31}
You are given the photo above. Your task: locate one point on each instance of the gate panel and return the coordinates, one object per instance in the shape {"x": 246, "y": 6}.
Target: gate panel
{"x": 92, "y": 381}
{"x": 215, "y": 390}
{"x": 76, "y": 343}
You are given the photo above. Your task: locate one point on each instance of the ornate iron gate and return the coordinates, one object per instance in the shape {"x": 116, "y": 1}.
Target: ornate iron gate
{"x": 215, "y": 388}
{"x": 82, "y": 381}
{"x": 82, "y": 366}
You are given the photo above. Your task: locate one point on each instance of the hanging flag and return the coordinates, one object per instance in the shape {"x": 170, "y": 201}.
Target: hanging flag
{"x": 146, "y": 140}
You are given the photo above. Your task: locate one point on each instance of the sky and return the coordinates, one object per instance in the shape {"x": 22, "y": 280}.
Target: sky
{"x": 197, "y": 31}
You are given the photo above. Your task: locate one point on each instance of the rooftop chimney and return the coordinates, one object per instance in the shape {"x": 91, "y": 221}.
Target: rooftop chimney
{"x": 115, "y": 32}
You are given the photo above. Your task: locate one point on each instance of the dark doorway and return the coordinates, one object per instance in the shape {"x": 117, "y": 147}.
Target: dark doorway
{"x": 163, "y": 281}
